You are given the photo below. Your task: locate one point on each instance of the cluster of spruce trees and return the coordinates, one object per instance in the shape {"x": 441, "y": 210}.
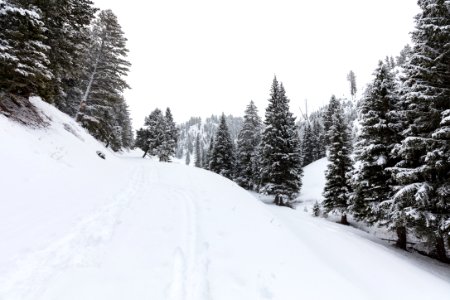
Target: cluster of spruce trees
{"x": 267, "y": 156}
{"x": 401, "y": 174}
{"x": 71, "y": 56}
{"x": 159, "y": 136}
{"x": 197, "y": 134}
{"x": 313, "y": 140}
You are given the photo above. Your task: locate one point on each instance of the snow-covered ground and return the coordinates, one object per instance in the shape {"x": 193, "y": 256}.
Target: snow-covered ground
{"x": 74, "y": 226}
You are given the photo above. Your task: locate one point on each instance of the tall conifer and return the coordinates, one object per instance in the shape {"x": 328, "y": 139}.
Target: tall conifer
{"x": 280, "y": 150}
{"x": 337, "y": 190}
{"x": 248, "y": 141}
{"x": 222, "y": 157}
{"x": 423, "y": 173}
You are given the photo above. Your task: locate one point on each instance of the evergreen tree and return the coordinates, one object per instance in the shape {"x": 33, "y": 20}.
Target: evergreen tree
{"x": 169, "y": 143}
{"x": 204, "y": 157}
{"x": 257, "y": 167}
{"x": 103, "y": 84}
{"x": 390, "y": 63}
{"x": 198, "y": 154}
{"x": 124, "y": 123}
{"x": 280, "y": 149}
{"x": 423, "y": 173}
{"x": 141, "y": 142}
{"x": 318, "y": 139}
{"x": 337, "y": 189}
{"x": 316, "y": 209}
{"x": 190, "y": 143}
{"x": 248, "y": 139}
{"x": 328, "y": 117}
{"x": 222, "y": 158}
{"x": 209, "y": 153}
{"x": 67, "y": 23}
{"x": 371, "y": 181}
{"x": 308, "y": 146}
{"x": 24, "y": 63}
{"x": 188, "y": 158}
{"x": 405, "y": 55}
{"x": 351, "y": 77}
{"x": 151, "y": 138}
{"x": 120, "y": 133}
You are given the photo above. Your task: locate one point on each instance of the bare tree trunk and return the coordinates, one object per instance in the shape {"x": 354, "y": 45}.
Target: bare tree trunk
{"x": 82, "y": 106}
{"x": 440, "y": 249}
{"x": 278, "y": 200}
{"x": 401, "y": 237}
{"x": 344, "y": 220}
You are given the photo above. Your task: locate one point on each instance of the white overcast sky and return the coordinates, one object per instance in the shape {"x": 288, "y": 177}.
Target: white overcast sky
{"x": 203, "y": 57}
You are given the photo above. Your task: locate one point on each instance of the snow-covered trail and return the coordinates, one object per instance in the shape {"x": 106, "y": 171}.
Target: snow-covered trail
{"x": 142, "y": 244}
{"x": 180, "y": 233}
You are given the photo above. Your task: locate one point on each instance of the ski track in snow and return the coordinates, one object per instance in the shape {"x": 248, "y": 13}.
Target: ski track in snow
{"x": 79, "y": 248}
{"x": 191, "y": 263}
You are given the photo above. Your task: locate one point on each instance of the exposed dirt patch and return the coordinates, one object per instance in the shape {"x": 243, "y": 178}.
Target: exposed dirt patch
{"x": 20, "y": 109}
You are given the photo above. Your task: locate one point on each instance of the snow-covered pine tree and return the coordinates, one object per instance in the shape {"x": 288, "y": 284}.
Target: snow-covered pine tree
{"x": 423, "y": 174}
{"x": 151, "y": 138}
{"x": 318, "y": 139}
{"x": 124, "y": 123}
{"x": 256, "y": 166}
{"x": 248, "y": 140}
{"x": 204, "y": 152}
{"x": 351, "y": 77}
{"x": 222, "y": 158}
{"x": 209, "y": 153}
{"x": 190, "y": 143}
{"x": 198, "y": 154}
{"x": 67, "y": 23}
{"x": 308, "y": 146}
{"x": 316, "y": 209}
{"x": 405, "y": 55}
{"x": 280, "y": 167}
{"x": 188, "y": 158}
{"x": 104, "y": 83}
{"x": 169, "y": 144}
{"x": 140, "y": 142}
{"x": 371, "y": 181}
{"x": 24, "y": 63}
{"x": 121, "y": 135}
{"x": 337, "y": 188}
{"x": 328, "y": 117}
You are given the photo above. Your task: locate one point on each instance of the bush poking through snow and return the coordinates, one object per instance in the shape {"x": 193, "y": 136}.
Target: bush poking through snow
{"x": 101, "y": 154}
{"x": 316, "y": 209}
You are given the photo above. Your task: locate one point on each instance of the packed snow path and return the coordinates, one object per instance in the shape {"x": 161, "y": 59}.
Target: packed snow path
{"x": 74, "y": 226}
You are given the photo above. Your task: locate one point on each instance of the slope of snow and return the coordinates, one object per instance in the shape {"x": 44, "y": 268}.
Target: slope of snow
{"x": 313, "y": 182}
{"x": 74, "y": 226}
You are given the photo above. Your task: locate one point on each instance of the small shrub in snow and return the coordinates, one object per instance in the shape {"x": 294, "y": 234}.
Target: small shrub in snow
{"x": 101, "y": 154}
{"x": 316, "y": 209}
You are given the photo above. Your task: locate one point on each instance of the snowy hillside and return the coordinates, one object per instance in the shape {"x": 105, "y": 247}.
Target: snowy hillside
{"x": 75, "y": 226}
{"x": 313, "y": 182}
{"x": 205, "y": 129}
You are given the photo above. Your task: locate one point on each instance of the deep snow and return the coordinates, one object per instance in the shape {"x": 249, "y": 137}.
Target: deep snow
{"x": 74, "y": 226}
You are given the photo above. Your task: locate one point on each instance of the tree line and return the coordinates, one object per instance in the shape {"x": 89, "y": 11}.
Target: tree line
{"x": 72, "y": 56}
{"x": 400, "y": 176}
